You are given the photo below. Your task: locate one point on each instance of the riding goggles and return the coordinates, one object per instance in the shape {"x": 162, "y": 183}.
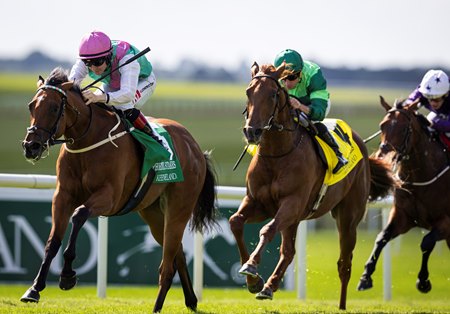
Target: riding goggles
{"x": 292, "y": 77}
{"x": 435, "y": 98}
{"x": 94, "y": 62}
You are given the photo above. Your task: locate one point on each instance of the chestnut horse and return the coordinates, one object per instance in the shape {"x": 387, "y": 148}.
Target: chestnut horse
{"x": 422, "y": 164}
{"x": 283, "y": 182}
{"x": 99, "y": 181}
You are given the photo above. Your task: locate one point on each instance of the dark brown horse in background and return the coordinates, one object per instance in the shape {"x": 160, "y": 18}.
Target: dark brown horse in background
{"x": 100, "y": 181}
{"x": 284, "y": 180}
{"x": 422, "y": 200}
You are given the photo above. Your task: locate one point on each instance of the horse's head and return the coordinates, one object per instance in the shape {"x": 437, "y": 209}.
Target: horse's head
{"x": 266, "y": 100}
{"x": 398, "y": 127}
{"x": 47, "y": 119}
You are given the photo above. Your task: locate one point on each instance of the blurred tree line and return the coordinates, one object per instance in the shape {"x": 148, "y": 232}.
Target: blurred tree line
{"x": 189, "y": 70}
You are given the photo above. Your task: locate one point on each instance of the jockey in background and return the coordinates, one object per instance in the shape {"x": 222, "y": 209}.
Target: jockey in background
{"x": 433, "y": 93}
{"x": 126, "y": 89}
{"x": 304, "y": 80}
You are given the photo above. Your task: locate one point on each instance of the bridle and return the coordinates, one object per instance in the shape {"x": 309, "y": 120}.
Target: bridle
{"x": 271, "y": 121}
{"x": 52, "y": 132}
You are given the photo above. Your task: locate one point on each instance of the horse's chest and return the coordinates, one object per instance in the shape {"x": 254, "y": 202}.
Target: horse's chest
{"x": 268, "y": 193}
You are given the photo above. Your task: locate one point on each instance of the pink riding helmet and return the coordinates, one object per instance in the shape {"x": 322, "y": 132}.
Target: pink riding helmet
{"x": 95, "y": 45}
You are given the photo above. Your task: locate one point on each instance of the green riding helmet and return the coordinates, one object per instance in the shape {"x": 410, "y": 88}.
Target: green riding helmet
{"x": 294, "y": 61}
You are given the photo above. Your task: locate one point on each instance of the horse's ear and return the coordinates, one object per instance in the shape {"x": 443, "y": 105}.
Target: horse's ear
{"x": 384, "y": 104}
{"x": 67, "y": 85}
{"x": 40, "y": 81}
{"x": 281, "y": 69}
{"x": 255, "y": 68}
{"x": 414, "y": 105}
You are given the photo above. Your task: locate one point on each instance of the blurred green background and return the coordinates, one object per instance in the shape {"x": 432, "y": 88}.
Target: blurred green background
{"x": 211, "y": 111}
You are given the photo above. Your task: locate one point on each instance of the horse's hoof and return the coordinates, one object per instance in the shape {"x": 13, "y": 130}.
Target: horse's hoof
{"x": 423, "y": 286}
{"x": 67, "y": 283}
{"x": 31, "y": 295}
{"x": 257, "y": 287}
{"x": 365, "y": 283}
{"x": 192, "y": 304}
{"x": 265, "y": 294}
{"x": 248, "y": 270}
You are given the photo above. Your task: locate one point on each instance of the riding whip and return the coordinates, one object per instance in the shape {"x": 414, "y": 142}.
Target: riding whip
{"x": 140, "y": 54}
{"x": 372, "y": 136}
{"x": 240, "y": 157}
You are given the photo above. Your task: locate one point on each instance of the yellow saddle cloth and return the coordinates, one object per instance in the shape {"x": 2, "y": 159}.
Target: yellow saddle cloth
{"x": 342, "y": 133}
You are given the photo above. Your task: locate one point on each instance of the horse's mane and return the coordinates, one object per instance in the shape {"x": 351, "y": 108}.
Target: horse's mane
{"x": 271, "y": 70}
{"x": 59, "y": 76}
{"x": 423, "y": 121}
{"x": 267, "y": 69}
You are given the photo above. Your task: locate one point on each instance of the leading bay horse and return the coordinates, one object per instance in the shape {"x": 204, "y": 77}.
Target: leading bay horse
{"x": 99, "y": 181}
{"x": 422, "y": 164}
{"x": 283, "y": 182}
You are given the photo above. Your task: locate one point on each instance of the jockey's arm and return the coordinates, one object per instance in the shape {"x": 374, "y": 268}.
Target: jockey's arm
{"x": 441, "y": 124}
{"x": 319, "y": 97}
{"x": 129, "y": 77}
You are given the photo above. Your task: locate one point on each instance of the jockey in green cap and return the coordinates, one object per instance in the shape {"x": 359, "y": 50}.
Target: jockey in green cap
{"x": 305, "y": 82}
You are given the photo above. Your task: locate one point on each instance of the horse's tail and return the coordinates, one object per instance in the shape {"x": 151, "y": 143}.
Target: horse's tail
{"x": 382, "y": 180}
{"x": 206, "y": 213}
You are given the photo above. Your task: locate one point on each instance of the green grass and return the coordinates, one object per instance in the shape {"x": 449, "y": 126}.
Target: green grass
{"x": 140, "y": 300}
{"x": 322, "y": 287}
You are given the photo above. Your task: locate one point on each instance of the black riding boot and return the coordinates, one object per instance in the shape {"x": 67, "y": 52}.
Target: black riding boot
{"x": 138, "y": 120}
{"x": 325, "y": 135}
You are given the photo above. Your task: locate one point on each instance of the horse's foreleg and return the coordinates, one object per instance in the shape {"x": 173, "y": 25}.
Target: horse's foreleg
{"x": 386, "y": 235}
{"x": 287, "y": 252}
{"x": 237, "y": 221}
{"x": 51, "y": 249}
{"x": 250, "y": 268}
{"x": 190, "y": 300}
{"x": 68, "y": 279}
{"x": 423, "y": 284}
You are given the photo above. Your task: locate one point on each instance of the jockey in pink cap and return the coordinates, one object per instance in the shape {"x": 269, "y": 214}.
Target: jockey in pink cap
{"x": 126, "y": 89}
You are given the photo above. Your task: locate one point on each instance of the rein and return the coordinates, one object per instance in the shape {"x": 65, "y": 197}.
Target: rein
{"x": 110, "y": 139}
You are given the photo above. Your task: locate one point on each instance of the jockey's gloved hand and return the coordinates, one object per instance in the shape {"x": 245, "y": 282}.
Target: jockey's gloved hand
{"x": 91, "y": 98}
{"x": 303, "y": 119}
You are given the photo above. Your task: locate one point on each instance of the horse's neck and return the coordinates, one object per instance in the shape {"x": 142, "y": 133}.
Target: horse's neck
{"x": 86, "y": 125}
{"x": 426, "y": 158}
{"x": 275, "y": 143}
